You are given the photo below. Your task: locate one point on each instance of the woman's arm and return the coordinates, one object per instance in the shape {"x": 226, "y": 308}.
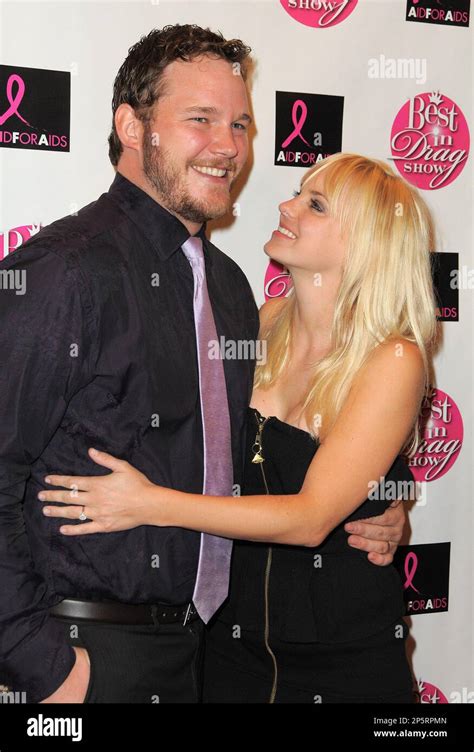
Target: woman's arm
{"x": 361, "y": 447}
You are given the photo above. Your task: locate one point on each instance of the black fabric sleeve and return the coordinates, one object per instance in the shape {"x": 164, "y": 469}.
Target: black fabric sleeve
{"x": 45, "y": 347}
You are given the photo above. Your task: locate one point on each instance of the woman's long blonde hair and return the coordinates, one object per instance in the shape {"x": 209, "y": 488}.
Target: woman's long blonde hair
{"x": 386, "y": 288}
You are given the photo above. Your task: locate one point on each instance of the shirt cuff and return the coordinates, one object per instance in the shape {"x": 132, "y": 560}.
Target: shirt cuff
{"x": 42, "y": 663}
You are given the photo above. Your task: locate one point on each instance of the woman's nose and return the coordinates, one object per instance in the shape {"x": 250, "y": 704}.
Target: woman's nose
{"x": 287, "y": 208}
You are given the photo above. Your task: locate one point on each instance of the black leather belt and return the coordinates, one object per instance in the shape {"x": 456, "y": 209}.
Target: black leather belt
{"x": 124, "y": 613}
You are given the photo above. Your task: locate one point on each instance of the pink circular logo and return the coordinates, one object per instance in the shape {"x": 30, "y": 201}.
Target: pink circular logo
{"x": 442, "y": 434}
{"x": 430, "y": 141}
{"x": 319, "y": 13}
{"x": 277, "y": 281}
{"x": 431, "y": 694}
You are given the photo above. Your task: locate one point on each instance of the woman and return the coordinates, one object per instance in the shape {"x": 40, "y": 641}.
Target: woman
{"x": 337, "y": 399}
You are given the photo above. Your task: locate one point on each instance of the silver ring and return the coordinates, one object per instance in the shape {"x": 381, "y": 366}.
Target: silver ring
{"x": 82, "y": 516}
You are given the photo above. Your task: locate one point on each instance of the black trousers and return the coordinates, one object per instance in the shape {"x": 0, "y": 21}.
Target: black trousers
{"x": 238, "y": 668}
{"x": 140, "y": 664}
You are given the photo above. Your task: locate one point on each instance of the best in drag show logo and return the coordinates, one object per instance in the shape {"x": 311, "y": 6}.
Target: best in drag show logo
{"x": 441, "y": 428}
{"x": 320, "y": 14}
{"x": 429, "y": 141}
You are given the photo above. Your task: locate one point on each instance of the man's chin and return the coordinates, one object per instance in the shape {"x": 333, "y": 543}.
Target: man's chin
{"x": 208, "y": 212}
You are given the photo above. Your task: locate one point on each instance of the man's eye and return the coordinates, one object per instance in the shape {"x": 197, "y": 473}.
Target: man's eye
{"x": 199, "y": 118}
{"x": 240, "y": 126}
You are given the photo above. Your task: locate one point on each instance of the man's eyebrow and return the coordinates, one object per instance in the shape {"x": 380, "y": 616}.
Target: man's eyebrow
{"x": 213, "y": 111}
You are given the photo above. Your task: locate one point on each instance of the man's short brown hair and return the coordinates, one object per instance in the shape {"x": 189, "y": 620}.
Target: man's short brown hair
{"x": 139, "y": 81}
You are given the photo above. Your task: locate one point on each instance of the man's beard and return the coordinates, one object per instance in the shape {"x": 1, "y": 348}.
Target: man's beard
{"x": 166, "y": 179}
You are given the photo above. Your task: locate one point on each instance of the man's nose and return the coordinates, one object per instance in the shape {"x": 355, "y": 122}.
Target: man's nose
{"x": 224, "y": 141}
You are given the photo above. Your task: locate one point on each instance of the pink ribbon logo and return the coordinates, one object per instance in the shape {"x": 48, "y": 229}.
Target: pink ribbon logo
{"x": 411, "y": 565}
{"x": 14, "y": 101}
{"x": 298, "y": 123}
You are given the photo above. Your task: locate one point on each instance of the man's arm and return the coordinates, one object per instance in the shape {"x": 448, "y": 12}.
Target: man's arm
{"x": 379, "y": 536}
{"x": 45, "y": 347}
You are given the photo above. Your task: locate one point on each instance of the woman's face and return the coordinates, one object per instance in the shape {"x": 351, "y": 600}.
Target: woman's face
{"x": 314, "y": 242}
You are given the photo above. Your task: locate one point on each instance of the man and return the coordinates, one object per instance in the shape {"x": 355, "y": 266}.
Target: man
{"x": 102, "y": 352}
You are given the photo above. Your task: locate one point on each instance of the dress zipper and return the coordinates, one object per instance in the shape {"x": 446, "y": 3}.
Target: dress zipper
{"x": 258, "y": 458}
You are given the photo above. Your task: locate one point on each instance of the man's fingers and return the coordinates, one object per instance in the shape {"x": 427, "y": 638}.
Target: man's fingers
{"x": 390, "y": 517}
{"x": 369, "y": 530}
{"x": 395, "y": 503}
{"x": 379, "y": 547}
{"x": 382, "y": 560}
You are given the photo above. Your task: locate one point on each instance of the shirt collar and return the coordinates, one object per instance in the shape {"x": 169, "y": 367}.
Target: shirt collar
{"x": 164, "y": 231}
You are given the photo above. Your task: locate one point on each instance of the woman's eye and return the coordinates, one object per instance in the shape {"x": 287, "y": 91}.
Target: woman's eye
{"x": 313, "y": 203}
{"x": 316, "y": 205}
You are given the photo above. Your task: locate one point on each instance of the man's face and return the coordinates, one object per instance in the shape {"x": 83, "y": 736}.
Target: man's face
{"x": 199, "y": 125}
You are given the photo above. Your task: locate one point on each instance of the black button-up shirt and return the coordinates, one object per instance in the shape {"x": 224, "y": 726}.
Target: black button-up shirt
{"x": 100, "y": 351}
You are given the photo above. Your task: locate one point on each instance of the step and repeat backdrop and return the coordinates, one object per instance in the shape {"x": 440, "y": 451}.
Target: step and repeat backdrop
{"x": 388, "y": 79}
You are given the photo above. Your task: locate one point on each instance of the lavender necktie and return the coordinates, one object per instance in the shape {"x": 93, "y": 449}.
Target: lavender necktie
{"x": 212, "y": 582}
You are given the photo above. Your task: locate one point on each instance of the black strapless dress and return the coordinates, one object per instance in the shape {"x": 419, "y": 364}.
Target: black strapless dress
{"x": 306, "y": 624}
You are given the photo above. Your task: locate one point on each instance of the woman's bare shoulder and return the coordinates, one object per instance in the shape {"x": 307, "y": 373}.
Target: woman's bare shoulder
{"x": 394, "y": 359}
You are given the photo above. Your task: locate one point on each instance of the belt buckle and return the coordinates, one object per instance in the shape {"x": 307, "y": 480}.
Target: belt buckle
{"x": 154, "y": 611}
{"x": 189, "y": 611}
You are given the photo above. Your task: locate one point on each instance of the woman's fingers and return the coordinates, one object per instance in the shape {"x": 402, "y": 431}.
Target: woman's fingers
{"x": 105, "y": 497}
{"x": 70, "y": 513}
{"x": 74, "y": 482}
{"x": 81, "y": 482}
{"x": 64, "y": 496}
{"x": 107, "y": 460}
{"x": 85, "y": 529}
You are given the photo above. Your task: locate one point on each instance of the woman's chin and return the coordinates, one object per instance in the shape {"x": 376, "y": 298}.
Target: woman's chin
{"x": 273, "y": 254}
